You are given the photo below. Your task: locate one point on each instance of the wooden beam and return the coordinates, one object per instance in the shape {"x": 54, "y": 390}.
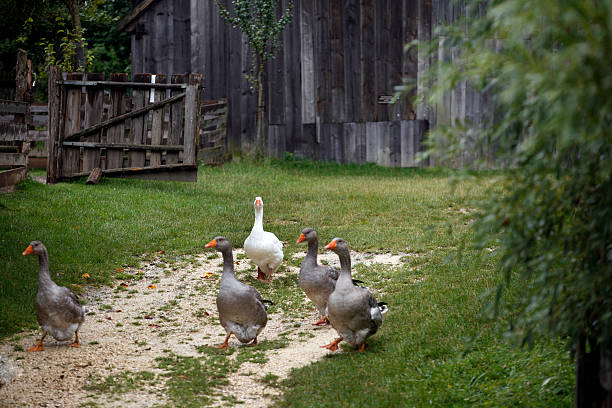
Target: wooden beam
{"x": 8, "y": 178}
{"x": 13, "y": 159}
{"x": 121, "y": 146}
{"x": 127, "y": 170}
{"x": 122, "y": 117}
{"x": 71, "y": 83}
{"x": 136, "y": 11}
{"x": 55, "y": 73}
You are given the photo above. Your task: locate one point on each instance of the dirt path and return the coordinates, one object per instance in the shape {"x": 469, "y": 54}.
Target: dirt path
{"x": 167, "y": 308}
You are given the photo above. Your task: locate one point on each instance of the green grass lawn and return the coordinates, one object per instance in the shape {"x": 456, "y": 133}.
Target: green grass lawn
{"x": 433, "y": 348}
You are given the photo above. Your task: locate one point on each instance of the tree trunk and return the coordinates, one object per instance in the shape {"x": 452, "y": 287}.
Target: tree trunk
{"x": 74, "y": 10}
{"x": 260, "y": 139}
{"x": 593, "y": 373}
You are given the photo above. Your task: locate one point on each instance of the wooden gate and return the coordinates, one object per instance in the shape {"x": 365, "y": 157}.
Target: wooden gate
{"x": 146, "y": 128}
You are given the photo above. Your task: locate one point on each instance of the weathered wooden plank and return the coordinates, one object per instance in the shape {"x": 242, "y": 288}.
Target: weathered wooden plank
{"x": 338, "y": 113}
{"x": 115, "y": 134}
{"x": 157, "y": 122}
{"x": 13, "y": 131}
{"x": 13, "y": 159}
{"x": 125, "y": 171}
{"x": 94, "y": 176}
{"x": 395, "y": 135}
{"x": 275, "y": 142}
{"x": 368, "y": 61}
{"x": 71, "y": 157}
{"x": 14, "y": 107}
{"x": 420, "y": 134}
{"x": 54, "y": 123}
{"x": 323, "y": 134}
{"x": 293, "y": 88}
{"x": 383, "y": 143}
{"x": 9, "y": 178}
{"x": 176, "y": 125}
{"x": 423, "y": 63}
{"x": 122, "y": 146}
{"x": 410, "y": 29}
{"x": 382, "y": 65}
{"x": 352, "y": 60}
{"x": 192, "y": 129}
{"x": 337, "y": 142}
{"x": 118, "y": 84}
{"x": 138, "y": 132}
{"x": 371, "y": 142}
{"x": 307, "y": 21}
{"x": 407, "y": 143}
{"x": 322, "y": 62}
{"x": 94, "y": 108}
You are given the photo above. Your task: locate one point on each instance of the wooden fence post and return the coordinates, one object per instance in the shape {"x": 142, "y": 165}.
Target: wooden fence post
{"x": 55, "y": 74}
{"x": 192, "y": 116}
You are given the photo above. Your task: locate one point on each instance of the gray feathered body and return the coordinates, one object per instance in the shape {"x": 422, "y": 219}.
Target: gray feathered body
{"x": 241, "y": 308}
{"x": 317, "y": 281}
{"x": 352, "y": 310}
{"x": 57, "y": 309}
{"x": 59, "y": 312}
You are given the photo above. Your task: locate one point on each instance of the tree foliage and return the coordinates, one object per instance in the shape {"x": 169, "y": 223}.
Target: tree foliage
{"x": 257, "y": 20}
{"x": 549, "y": 216}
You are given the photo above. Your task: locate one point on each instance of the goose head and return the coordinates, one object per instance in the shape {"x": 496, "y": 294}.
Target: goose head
{"x": 338, "y": 245}
{"x": 220, "y": 243}
{"x": 308, "y": 234}
{"x": 258, "y": 204}
{"x": 36, "y": 248}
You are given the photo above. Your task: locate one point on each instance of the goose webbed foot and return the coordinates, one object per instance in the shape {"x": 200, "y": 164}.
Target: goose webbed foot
{"x": 333, "y": 346}
{"x": 76, "y": 340}
{"x": 260, "y": 274}
{"x": 323, "y": 321}
{"x": 361, "y": 348}
{"x": 253, "y": 343}
{"x": 224, "y": 345}
{"x": 39, "y": 345}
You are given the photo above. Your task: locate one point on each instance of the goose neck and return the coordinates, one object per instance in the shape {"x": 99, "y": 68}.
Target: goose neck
{"x": 43, "y": 268}
{"x": 313, "y": 250}
{"x": 258, "y": 225}
{"x": 345, "y": 266}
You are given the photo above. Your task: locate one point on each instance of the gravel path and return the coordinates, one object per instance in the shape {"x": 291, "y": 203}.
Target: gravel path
{"x": 139, "y": 320}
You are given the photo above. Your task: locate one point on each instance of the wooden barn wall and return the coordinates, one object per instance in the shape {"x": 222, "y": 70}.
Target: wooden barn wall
{"x": 161, "y": 40}
{"x": 463, "y": 104}
{"x": 338, "y": 64}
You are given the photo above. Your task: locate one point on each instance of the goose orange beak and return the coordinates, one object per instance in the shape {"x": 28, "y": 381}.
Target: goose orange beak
{"x": 258, "y": 203}
{"x": 29, "y": 250}
{"x": 331, "y": 245}
{"x": 302, "y": 238}
{"x": 212, "y": 244}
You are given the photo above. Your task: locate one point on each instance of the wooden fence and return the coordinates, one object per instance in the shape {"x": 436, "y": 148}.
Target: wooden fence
{"x": 14, "y": 120}
{"x": 148, "y": 129}
{"x": 213, "y": 132}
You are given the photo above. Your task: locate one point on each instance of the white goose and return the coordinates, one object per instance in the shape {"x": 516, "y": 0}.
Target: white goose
{"x": 263, "y": 247}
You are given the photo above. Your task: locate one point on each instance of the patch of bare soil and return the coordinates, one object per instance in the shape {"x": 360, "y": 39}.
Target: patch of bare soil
{"x": 165, "y": 308}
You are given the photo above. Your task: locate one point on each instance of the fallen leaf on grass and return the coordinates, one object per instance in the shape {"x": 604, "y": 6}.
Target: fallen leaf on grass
{"x": 85, "y": 275}
{"x": 154, "y": 325}
{"x": 76, "y": 285}
{"x": 109, "y": 318}
{"x": 118, "y": 311}
{"x": 148, "y": 317}
{"x": 119, "y": 269}
{"x": 160, "y": 252}
{"x": 151, "y": 286}
{"x": 124, "y": 284}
